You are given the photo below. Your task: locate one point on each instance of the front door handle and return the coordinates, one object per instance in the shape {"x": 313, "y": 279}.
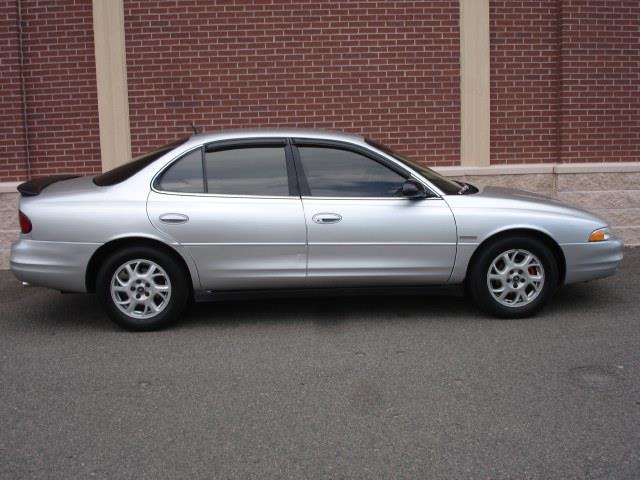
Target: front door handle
{"x": 173, "y": 218}
{"x": 323, "y": 218}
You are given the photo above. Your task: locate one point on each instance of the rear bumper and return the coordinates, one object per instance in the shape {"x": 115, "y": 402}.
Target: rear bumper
{"x": 58, "y": 265}
{"x": 590, "y": 261}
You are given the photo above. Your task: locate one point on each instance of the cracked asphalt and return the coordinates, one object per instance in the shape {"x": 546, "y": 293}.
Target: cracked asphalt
{"x": 364, "y": 387}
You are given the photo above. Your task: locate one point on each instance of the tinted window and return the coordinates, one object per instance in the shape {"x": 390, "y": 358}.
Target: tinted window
{"x": 449, "y": 187}
{"x": 184, "y": 175}
{"x": 123, "y": 172}
{"x": 247, "y": 171}
{"x": 332, "y": 172}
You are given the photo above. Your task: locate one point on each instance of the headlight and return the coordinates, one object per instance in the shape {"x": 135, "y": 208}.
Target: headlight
{"x": 600, "y": 235}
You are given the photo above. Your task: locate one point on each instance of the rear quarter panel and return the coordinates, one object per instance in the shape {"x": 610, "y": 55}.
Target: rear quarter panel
{"x": 78, "y": 216}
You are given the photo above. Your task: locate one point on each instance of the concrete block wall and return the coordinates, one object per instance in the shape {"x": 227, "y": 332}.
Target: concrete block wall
{"x": 614, "y": 195}
{"x": 8, "y": 225}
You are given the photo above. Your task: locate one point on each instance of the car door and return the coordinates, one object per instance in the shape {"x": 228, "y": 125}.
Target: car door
{"x": 235, "y": 207}
{"x": 360, "y": 229}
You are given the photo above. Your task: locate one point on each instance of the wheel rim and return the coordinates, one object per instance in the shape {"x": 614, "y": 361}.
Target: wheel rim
{"x": 515, "y": 278}
{"x": 140, "y": 288}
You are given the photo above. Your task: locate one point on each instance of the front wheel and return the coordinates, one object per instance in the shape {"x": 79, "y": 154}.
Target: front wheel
{"x": 513, "y": 277}
{"x": 142, "y": 289}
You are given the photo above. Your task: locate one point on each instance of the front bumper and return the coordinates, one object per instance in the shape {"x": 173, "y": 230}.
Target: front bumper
{"x": 59, "y": 265}
{"x": 593, "y": 260}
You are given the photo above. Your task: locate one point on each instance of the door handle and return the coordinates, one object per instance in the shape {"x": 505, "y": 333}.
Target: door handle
{"x": 323, "y": 218}
{"x": 173, "y": 218}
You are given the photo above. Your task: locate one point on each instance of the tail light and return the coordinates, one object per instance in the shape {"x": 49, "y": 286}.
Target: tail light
{"x": 25, "y": 223}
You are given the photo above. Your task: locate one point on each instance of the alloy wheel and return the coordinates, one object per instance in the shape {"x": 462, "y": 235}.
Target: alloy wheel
{"x": 140, "y": 288}
{"x": 515, "y": 278}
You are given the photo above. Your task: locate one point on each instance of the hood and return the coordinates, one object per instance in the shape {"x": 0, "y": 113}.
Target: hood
{"x": 511, "y": 198}
{"x": 515, "y": 194}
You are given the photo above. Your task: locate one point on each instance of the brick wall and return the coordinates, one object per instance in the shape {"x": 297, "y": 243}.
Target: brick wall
{"x": 61, "y": 101}
{"x": 600, "y": 81}
{"x": 12, "y": 141}
{"x": 525, "y": 81}
{"x": 565, "y": 81}
{"x": 387, "y": 69}
{"x": 565, "y": 76}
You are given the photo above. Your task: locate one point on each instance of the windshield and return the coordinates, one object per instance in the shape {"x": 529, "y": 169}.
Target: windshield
{"x": 448, "y": 187}
{"x": 123, "y": 172}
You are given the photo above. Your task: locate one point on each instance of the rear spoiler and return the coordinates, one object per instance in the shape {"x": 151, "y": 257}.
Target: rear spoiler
{"x": 35, "y": 186}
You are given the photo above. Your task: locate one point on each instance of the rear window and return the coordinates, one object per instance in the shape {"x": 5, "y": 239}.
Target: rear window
{"x": 123, "y": 172}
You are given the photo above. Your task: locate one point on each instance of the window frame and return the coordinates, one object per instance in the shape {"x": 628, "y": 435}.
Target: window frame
{"x": 292, "y": 178}
{"x": 350, "y": 147}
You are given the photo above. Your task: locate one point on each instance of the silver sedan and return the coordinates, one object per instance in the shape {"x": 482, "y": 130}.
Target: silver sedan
{"x": 296, "y": 209}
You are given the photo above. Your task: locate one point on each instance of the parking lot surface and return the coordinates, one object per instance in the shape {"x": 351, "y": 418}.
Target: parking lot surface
{"x": 364, "y": 387}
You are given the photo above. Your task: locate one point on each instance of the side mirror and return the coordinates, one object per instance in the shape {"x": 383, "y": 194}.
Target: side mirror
{"x": 413, "y": 189}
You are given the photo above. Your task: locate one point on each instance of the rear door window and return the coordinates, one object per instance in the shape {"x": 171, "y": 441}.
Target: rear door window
{"x": 185, "y": 175}
{"x": 259, "y": 170}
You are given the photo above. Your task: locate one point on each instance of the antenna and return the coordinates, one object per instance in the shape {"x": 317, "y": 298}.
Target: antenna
{"x": 195, "y": 130}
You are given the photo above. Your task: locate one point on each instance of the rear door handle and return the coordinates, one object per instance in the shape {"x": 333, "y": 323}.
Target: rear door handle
{"x": 173, "y": 218}
{"x": 323, "y": 218}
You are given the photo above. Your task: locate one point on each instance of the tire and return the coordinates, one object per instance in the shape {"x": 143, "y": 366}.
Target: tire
{"x": 513, "y": 277}
{"x": 161, "y": 289}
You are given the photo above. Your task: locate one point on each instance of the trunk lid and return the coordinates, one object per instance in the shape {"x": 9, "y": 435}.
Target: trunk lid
{"x": 34, "y": 187}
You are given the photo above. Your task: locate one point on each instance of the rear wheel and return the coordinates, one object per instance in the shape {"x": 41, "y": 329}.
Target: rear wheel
{"x": 513, "y": 277}
{"x": 142, "y": 289}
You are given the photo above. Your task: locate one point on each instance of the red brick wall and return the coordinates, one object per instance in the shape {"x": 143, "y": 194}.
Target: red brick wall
{"x": 565, "y": 81}
{"x": 59, "y": 69}
{"x": 600, "y": 81}
{"x": 565, "y": 76}
{"x": 12, "y": 141}
{"x": 387, "y": 69}
{"x": 525, "y": 81}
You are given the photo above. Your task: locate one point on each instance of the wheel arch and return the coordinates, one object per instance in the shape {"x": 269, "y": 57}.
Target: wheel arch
{"x": 102, "y": 253}
{"x": 544, "y": 237}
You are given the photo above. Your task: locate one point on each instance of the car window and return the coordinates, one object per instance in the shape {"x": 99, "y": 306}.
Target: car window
{"x": 333, "y": 172}
{"x": 123, "y": 172}
{"x": 448, "y": 187}
{"x": 184, "y": 175}
{"x": 247, "y": 171}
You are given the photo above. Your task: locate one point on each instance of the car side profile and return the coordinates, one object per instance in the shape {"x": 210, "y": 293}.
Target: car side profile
{"x": 296, "y": 209}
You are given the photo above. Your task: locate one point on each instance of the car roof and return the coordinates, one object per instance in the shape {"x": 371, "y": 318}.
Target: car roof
{"x": 276, "y": 132}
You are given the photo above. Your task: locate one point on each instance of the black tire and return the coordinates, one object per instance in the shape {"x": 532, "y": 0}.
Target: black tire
{"x": 477, "y": 279}
{"x": 179, "y": 287}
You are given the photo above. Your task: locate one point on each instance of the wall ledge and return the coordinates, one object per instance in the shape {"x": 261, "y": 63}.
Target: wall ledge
{"x": 541, "y": 168}
{"x": 9, "y": 187}
{"x": 524, "y": 169}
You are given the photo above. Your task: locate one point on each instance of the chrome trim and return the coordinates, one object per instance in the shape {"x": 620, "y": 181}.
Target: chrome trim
{"x": 405, "y": 199}
{"x": 381, "y": 243}
{"x": 242, "y": 244}
{"x": 218, "y": 195}
{"x": 412, "y": 174}
{"x": 203, "y": 194}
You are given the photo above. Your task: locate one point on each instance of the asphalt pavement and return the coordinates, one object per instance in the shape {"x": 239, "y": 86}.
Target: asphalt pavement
{"x": 368, "y": 387}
